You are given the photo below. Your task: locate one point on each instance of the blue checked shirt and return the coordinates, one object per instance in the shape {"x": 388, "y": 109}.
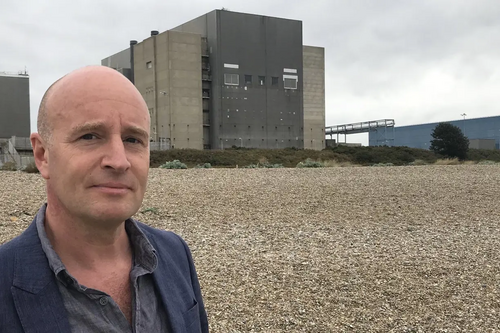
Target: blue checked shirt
{"x": 91, "y": 310}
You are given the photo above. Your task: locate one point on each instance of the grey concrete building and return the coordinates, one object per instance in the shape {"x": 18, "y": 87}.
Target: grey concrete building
{"x": 230, "y": 79}
{"x": 14, "y": 105}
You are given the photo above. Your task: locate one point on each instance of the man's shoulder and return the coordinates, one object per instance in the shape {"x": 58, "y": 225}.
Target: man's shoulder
{"x": 164, "y": 240}
{"x": 10, "y": 248}
{"x": 160, "y": 235}
{"x": 8, "y": 254}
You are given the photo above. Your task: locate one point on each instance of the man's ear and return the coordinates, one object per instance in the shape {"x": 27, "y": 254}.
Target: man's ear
{"x": 41, "y": 154}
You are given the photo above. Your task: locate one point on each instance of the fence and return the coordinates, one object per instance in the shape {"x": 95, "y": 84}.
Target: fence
{"x": 20, "y": 161}
{"x": 159, "y": 146}
{"x": 21, "y": 143}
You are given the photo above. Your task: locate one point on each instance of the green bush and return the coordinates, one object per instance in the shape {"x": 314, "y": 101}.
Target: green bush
{"x": 251, "y": 166}
{"x": 9, "y": 166}
{"x": 175, "y": 164}
{"x": 449, "y": 141}
{"x": 270, "y": 165}
{"x": 264, "y": 165}
{"x": 308, "y": 163}
{"x": 384, "y": 154}
{"x": 31, "y": 168}
{"x": 483, "y": 154}
{"x": 203, "y": 166}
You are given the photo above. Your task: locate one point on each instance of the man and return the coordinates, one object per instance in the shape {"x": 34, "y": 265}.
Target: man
{"x": 84, "y": 265}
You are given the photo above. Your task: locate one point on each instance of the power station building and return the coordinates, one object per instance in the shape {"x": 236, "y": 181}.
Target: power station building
{"x": 483, "y": 133}
{"x": 14, "y": 105}
{"x": 229, "y": 79}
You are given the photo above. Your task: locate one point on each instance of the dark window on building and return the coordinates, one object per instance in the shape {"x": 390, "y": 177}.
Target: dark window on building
{"x": 290, "y": 83}
{"x": 231, "y": 79}
{"x": 262, "y": 80}
{"x": 248, "y": 79}
{"x": 149, "y": 65}
{"x": 274, "y": 81}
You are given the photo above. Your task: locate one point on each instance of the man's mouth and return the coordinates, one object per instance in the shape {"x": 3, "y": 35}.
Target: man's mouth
{"x": 113, "y": 188}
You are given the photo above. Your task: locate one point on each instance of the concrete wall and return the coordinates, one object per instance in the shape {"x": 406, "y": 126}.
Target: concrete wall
{"x": 314, "y": 97}
{"x": 207, "y": 26}
{"x": 254, "y": 114}
{"x": 118, "y": 60}
{"x": 482, "y": 144}
{"x": 167, "y": 70}
{"x": 121, "y": 62}
{"x": 198, "y": 25}
{"x": 14, "y": 106}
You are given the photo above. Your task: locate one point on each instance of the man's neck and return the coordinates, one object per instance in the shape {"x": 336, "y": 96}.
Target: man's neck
{"x": 81, "y": 244}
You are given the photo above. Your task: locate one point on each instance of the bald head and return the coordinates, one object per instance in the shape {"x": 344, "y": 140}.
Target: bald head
{"x": 92, "y": 83}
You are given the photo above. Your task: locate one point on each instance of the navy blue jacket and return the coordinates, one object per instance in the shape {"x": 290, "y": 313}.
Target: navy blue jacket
{"x": 30, "y": 300}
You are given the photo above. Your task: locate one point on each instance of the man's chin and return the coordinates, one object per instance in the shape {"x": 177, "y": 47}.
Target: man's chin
{"x": 112, "y": 215}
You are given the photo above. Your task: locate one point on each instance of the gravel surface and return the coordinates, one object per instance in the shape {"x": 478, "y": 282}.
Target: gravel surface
{"x": 394, "y": 249}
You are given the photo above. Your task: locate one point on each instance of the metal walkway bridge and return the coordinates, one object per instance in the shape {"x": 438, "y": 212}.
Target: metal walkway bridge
{"x": 377, "y": 127}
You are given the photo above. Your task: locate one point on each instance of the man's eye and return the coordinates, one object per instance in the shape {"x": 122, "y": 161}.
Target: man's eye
{"x": 88, "y": 137}
{"x": 132, "y": 140}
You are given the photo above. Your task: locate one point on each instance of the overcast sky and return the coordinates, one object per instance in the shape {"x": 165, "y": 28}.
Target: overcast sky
{"x": 412, "y": 61}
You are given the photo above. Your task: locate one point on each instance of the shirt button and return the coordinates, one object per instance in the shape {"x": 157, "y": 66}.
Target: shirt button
{"x": 103, "y": 301}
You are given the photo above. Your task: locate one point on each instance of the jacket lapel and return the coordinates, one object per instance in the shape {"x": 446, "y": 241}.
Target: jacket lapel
{"x": 35, "y": 292}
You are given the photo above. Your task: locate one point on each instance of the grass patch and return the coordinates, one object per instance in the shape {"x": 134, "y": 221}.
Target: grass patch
{"x": 487, "y": 162}
{"x": 383, "y": 165}
{"x": 447, "y": 161}
{"x": 8, "y": 166}
{"x": 418, "y": 162}
{"x": 153, "y": 210}
{"x": 337, "y": 164}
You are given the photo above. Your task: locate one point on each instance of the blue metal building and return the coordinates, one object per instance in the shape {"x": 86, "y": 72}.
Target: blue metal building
{"x": 419, "y": 136}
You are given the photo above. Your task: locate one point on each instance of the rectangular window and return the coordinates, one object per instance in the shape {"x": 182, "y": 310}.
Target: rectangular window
{"x": 262, "y": 80}
{"x": 149, "y": 65}
{"x": 232, "y": 66}
{"x": 248, "y": 79}
{"x": 274, "y": 80}
{"x": 231, "y": 79}
{"x": 290, "y": 83}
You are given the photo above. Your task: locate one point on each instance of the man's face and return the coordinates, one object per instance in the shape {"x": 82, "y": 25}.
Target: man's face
{"x": 98, "y": 157}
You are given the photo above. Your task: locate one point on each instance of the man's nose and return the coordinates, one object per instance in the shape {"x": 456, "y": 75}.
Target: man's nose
{"x": 115, "y": 156}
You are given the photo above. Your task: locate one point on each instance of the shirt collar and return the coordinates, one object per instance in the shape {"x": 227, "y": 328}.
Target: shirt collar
{"x": 143, "y": 252}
